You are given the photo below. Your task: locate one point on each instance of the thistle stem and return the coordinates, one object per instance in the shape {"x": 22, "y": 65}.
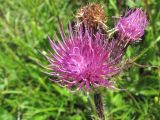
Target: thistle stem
{"x": 99, "y": 105}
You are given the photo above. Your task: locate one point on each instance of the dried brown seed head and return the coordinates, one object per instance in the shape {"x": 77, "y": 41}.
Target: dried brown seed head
{"x": 91, "y": 15}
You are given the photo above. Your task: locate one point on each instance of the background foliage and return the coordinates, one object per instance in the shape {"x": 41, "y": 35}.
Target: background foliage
{"x": 27, "y": 94}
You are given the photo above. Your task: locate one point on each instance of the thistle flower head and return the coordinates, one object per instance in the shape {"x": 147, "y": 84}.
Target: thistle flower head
{"x": 91, "y": 15}
{"x": 81, "y": 60}
{"x": 132, "y": 25}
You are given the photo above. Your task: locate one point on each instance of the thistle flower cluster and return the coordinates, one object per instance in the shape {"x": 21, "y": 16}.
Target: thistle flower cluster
{"x": 85, "y": 59}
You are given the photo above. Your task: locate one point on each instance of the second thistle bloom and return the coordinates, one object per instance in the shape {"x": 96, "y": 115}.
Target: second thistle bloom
{"x": 132, "y": 25}
{"x": 81, "y": 60}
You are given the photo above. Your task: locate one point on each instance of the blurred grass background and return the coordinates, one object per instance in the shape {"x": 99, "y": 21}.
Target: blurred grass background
{"x": 27, "y": 94}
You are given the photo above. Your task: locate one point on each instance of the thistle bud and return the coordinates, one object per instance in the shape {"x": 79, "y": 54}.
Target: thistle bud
{"x": 132, "y": 25}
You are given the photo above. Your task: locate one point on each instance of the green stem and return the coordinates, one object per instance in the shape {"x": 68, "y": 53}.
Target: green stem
{"x": 99, "y": 105}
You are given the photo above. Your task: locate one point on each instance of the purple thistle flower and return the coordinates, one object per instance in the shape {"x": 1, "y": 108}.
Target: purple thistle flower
{"x": 132, "y": 25}
{"x": 82, "y": 60}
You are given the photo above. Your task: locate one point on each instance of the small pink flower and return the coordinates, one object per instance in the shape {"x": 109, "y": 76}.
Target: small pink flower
{"x": 132, "y": 25}
{"x": 81, "y": 60}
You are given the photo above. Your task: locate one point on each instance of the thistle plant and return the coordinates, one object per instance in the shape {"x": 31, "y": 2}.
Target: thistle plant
{"x": 86, "y": 59}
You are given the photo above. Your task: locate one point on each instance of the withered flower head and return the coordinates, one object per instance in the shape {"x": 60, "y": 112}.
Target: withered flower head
{"x": 91, "y": 15}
